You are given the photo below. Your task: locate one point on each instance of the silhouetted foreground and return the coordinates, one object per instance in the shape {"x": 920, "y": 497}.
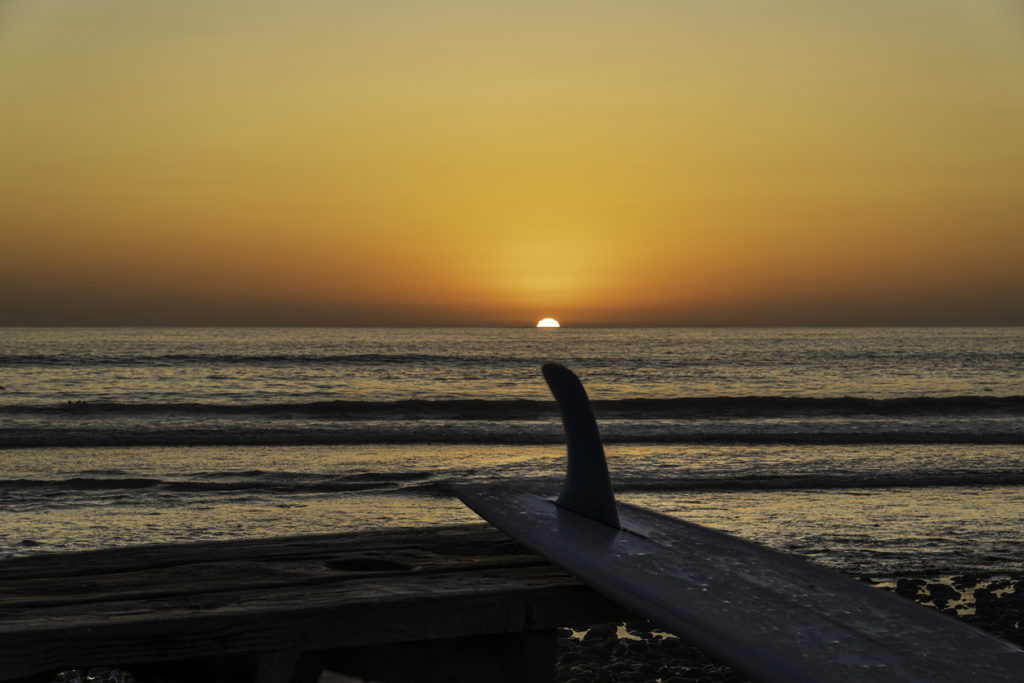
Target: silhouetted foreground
{"x": 639, "y": 651}
{"x": 234, "y": 610}
{"x": 400, "y": 604}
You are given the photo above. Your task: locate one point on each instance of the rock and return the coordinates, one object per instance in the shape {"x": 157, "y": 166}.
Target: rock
{"x": 601, "y": 632}
{"x": 69, "y": 676}
{"x": 618, "y": 668}
{"x": 965, "y": 581}
{"x": 111, "y": 676}
{"x": 649, "y": 672}
{"x": 909, "y": 587}
{"x": 941, "y": 594}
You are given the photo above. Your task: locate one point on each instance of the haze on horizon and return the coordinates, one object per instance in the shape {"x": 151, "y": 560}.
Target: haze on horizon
{"x": 456, "y": 162}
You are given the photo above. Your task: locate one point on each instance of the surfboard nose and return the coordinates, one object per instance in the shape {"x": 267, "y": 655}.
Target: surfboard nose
{"x": 588, "y": 488}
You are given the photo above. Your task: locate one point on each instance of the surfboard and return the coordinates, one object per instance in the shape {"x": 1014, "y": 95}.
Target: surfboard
{"x": 772, "y": 616}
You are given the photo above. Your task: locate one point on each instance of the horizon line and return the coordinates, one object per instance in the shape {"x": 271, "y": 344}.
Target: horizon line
{"x": 512, "y": 326}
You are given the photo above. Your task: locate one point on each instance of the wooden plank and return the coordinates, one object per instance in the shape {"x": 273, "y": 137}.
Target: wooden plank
{"x": 162, "y": 603}
{"x": 775, "y": 617}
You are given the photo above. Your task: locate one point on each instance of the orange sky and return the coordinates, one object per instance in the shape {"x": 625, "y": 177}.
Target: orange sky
{"x": 453, "y": 162}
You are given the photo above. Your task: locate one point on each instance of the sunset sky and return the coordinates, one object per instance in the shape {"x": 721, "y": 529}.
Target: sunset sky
{"x": 474, "y": 162}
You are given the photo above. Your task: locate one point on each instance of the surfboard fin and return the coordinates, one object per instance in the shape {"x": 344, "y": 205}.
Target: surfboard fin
{"x": 588, "y": 488}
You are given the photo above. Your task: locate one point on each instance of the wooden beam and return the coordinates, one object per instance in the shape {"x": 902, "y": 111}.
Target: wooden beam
{"x": 174, "y": 602}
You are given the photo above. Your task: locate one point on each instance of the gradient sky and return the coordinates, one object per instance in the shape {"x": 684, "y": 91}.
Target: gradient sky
{"x": 475, "y": 162}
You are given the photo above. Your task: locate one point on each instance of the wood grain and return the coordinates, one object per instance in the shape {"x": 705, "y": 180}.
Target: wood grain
{"x": 161, "y": 603}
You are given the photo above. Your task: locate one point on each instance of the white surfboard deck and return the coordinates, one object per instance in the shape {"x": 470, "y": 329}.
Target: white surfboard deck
{"x": 772, "y": 616}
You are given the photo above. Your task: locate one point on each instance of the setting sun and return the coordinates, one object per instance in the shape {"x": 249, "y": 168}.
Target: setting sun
{"x": 548, "y": 322}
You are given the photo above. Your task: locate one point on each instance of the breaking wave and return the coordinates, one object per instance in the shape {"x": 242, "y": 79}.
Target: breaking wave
{"x": 425, "y": 483}
{"x": 520, "y": 409}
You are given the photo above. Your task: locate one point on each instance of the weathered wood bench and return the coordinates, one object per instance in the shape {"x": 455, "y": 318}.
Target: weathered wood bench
{"x": 450, "y": 603}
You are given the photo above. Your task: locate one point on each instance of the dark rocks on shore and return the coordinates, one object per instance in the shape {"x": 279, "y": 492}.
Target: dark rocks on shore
{"x": 639, "y": 651}
{"x": 965, "y": 581}
{"x": 942, "y": 594}
{"x": 635, "y": 651}
{"x": 999, "y": 609}
{"x": 910, "y": 588}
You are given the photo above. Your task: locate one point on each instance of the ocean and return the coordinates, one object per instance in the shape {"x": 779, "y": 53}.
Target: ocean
{"x": 876, "y": 451}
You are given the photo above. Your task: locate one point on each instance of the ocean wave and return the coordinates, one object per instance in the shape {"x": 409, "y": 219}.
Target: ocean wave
{"x": 465, "y": 409}
{"x": 824, "y": 481}
{"x": 271, "y": 484}
{"x": 421, "y": 484}
{"x": 246, "y": 359}
{"x": 682, "y": 408}
{"x": 613, "y": 361}
{"x": 441, "y": 435}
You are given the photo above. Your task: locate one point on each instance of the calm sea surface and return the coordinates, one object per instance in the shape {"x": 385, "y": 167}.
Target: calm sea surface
{"x": 875, "y": 451}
